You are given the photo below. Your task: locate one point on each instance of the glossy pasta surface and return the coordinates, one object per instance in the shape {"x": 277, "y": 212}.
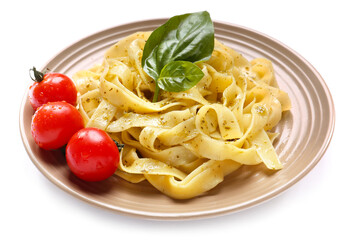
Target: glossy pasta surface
{"x": 187, "y": 142}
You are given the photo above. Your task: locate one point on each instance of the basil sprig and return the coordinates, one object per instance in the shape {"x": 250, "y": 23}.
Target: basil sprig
{"x": 173, "y": 48}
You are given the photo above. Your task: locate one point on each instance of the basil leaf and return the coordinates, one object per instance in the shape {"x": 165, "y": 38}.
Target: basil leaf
{"x": 179, "y": 76}
{"x": 188, "y": 37}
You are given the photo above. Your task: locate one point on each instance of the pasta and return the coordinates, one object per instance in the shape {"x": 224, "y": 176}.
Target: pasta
{"x": 186, "y": 143}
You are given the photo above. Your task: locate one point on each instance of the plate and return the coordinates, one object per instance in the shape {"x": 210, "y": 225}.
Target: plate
{"x": 306, "y": 131}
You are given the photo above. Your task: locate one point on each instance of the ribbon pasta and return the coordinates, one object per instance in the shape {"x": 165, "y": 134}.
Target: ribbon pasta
{"x": 185, "y": 144}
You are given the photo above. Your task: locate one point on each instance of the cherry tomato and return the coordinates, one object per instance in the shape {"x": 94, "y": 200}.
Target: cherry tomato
{"x": 92, "y": 155}
{"x": 54, "y": 123}
{"x": 51, "y": 87}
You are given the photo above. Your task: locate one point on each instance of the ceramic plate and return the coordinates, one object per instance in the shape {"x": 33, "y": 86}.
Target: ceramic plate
{"x": 306, "y": 131}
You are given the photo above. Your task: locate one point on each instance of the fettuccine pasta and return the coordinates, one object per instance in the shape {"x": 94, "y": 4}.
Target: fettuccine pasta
{"x": 187, "y": 142}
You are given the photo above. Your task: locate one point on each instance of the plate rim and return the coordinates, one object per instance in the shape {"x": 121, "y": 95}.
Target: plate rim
{"x": 203, "y": 213}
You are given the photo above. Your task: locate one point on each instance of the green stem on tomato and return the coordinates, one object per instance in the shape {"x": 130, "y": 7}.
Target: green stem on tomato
{"x": 38, "y": 76}
{"x": 156, "y": 93}
{"x": 119, "y": 145}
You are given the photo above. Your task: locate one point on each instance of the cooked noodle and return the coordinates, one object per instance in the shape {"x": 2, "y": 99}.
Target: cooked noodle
{"x": 186, "y": 143}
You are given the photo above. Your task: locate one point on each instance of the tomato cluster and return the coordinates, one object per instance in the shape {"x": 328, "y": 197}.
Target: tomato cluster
{"x": 91, "y": 153}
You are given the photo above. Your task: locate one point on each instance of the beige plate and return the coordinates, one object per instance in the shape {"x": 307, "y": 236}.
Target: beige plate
{"x": 305, "y": 132}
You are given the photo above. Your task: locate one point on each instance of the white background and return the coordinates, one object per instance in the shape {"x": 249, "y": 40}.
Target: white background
{"x": 31, "y": 207}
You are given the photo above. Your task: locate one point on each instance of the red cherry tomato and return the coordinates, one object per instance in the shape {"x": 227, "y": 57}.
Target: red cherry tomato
{"x": 54, "y": 123}
{"x": 51, "y": 87}
{"x": 92, "y": 155}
